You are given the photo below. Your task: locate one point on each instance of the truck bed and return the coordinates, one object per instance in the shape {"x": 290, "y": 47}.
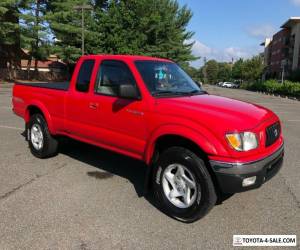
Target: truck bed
{"x": 64, "y": 86}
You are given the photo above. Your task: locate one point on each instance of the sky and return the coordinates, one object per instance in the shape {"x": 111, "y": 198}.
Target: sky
{"x": 226, "y": 29}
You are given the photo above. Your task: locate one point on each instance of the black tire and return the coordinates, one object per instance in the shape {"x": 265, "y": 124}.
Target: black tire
{"x": 205, "y": 200}
{"x": 50, "y": 144}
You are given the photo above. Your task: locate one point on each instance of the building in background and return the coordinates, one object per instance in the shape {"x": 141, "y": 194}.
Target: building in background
{"x": 282, "y": 51}
{"x": 266, "y": 53}
{"x": 52, "y": 64}
{"x": 293, "y": 26}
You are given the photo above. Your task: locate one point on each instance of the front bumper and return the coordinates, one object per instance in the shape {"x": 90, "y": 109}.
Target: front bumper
{"x": 230, "y": 176}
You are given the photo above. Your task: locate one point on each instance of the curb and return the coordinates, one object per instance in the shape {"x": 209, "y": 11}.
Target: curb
{"x": 278, "y": 95}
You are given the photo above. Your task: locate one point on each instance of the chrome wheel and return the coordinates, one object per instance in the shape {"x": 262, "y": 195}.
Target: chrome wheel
{"x": 36, "y": 136}
{"x": 179, "y": 185}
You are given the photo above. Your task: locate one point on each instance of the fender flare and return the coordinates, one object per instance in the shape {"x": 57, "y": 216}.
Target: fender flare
{"x": 45, "y": 113}
{"x": 206, "y": 143}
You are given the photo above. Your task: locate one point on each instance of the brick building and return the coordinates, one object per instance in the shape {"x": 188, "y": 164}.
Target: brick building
{"x": 282, "y": 51}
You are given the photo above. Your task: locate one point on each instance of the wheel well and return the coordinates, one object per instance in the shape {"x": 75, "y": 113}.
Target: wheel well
{"x": 31, "y": 110}
{"x": 168, "y": 141}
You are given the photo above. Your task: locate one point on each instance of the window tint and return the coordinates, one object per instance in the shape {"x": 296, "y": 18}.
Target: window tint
{"x": 165, "y": 78}
{"x": 111, "y": 75}
{"x": 84, "y": 76}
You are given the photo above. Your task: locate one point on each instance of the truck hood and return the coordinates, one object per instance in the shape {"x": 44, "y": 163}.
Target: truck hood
{"x": 215, "y": 111}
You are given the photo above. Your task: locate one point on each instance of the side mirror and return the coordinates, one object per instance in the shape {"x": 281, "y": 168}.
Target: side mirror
{"x": 198, "y": 83}
{"x": 128, "y": 91}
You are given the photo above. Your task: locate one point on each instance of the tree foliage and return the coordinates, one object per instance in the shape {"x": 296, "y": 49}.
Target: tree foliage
{"x": 154, "y": 28}
{"x": 65, "y": 23}
{"x": 253, "y": 68}
{"x": 224, "y": 71}
{"x": 193, "y": 72}
{"x": 34, "y": 30}
{"x": 242, "y": 70}
{"x": 143, "y": 27}
{"x": 238, "y": 69}
{"x": 9, "y": 21}
{"x": 9, "y": 33}
{"x": 211, "y": 70}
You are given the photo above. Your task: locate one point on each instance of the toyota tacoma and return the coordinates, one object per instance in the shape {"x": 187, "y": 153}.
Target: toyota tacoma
{"x": 196, "y": 145}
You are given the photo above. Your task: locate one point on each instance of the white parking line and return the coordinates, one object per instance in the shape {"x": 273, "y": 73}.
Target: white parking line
{"x": 9, "y": 127}
{"x": 293, "y": 120}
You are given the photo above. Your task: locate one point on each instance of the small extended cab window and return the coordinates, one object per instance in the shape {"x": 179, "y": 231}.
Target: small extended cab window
{"x": 84, "y": 76}
{"x": 111, "y": 75}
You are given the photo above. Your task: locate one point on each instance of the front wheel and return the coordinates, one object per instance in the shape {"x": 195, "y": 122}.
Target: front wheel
{"x": 182, "y": 185}
{"x": 41, "y": 143}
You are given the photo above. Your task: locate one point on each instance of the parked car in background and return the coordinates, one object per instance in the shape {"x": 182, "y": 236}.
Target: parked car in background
{"x": 219, "y": 84}
{"x": 228, "y": 84}
{"x": 236, "y": 85}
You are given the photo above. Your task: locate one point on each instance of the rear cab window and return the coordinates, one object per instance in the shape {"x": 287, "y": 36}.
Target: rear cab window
{"x": 84, "y": 75}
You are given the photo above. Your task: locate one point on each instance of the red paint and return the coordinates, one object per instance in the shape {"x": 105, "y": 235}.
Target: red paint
{"x": 110, "y": 122}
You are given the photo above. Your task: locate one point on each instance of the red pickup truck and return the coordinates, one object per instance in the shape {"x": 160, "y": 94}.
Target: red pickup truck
{"x": 195, "y": 144}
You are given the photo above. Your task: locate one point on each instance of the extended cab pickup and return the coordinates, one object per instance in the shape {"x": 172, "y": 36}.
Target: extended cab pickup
{"x": 196, "y": 145}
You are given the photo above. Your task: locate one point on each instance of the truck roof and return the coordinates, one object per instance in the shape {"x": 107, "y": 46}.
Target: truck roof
{"x": 126, "y": 57}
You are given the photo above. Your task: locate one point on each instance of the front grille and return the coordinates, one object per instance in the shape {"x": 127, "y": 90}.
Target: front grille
{"x": 272, "y": 133}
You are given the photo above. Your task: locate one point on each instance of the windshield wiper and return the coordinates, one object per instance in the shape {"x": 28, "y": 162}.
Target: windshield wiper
{"x": 178, "y": 93}
{"x": 196, "y": 91}
{"x": 167, "y": 93}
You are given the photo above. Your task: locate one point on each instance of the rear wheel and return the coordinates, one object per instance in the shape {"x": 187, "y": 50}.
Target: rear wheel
{"x": 182, "y": 185}
{"x": 41, "y": 143}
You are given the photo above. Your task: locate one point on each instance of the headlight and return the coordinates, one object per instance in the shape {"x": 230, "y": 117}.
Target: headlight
{"x": 242, "y": 141}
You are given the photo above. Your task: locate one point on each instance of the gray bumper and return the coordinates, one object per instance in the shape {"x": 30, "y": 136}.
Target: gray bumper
{"x": 231, "y": 175}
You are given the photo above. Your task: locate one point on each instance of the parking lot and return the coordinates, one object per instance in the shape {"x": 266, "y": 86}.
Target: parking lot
{"x": 89, "y": 198}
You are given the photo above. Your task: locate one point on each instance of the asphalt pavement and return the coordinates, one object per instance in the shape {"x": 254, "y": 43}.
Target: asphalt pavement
{"x": 90, "y": 198}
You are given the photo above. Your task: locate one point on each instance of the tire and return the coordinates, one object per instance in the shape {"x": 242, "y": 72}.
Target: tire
{"x": 41, "y": 143}
{"x": 191, "y": 205}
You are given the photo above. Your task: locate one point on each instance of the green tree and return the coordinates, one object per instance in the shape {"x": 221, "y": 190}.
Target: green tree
{"x": 224, "y": 71}
{"x": 249, "y": 70}
{"x": 253, "y": 68}
{"x": 238, "y": 69}
{"x": 34, "y": 31}
{"x": 9, "y": 35}
{"x": 65, "y": 23}
{"x": 154, "y": 28}
{"x": 211, "y": 69}
{"x": 193, "y": 72}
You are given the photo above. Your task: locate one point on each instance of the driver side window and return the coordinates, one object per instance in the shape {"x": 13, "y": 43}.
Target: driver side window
{"x": 111, "y": 75}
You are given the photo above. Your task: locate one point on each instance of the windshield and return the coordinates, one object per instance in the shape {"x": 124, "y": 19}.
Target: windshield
{"x": 166, "y": 78}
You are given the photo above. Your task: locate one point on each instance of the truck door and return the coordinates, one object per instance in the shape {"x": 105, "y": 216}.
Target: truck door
{"x": 78, "y": 103}
{"x": 120, "y": 122}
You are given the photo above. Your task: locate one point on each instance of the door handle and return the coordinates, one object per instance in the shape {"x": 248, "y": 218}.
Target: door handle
{"x": 93, "y": 105}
